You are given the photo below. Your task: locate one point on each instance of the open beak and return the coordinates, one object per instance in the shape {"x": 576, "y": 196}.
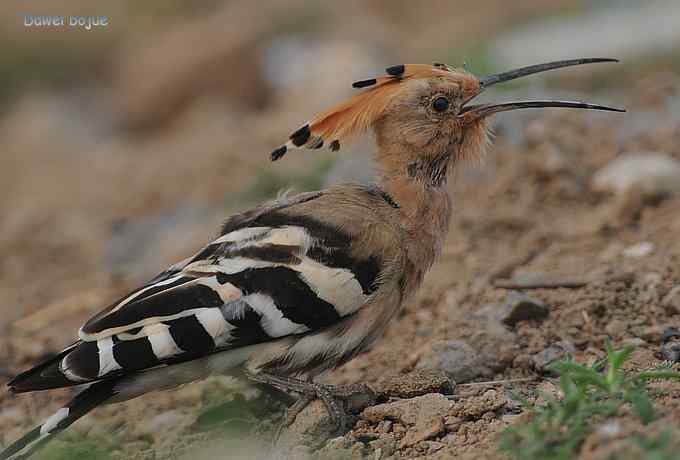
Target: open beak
{"x": 477, "y": 111}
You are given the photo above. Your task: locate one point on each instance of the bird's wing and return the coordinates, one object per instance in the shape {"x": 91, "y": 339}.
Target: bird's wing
{"x": 270, "y": 274}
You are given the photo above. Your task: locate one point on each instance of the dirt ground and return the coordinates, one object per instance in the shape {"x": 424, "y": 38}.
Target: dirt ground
{"x": 88, "y": 212}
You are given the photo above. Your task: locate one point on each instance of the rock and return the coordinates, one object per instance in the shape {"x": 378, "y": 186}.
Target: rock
{"x": 670, "y": 345}
{"x": 453, "y": 423}
{"x": 423, "y": 416}
{"x": 385, "y": 426}
{"x": 610, "y": 429}
{"x": 553, "y": 353}
{"x": 416, "y": 383}
{"x": 652, "y": 334}
{"x": 654, "y": 173}
{"x": 414, "y": 411}
{"x": 521, "y": 307}
{"x": 636, "y": 251}
{"x": 386, "y": 445}
{"x": 419, "y": 411}
{"x": 671, "y": 350}
{"x": 497, "y": 351}
{"x": 456, "y": 358}
{"x": 635, "y": 342}
{"x": 422, "y": 433}
{"x": 497, "y": 344}
{"x": 651, "y": 280}
{"x": 671, "y": 302}
{"x": 311, "y": 428}
{"x": 475, "y": 407}
{"x": 433, "y": 446}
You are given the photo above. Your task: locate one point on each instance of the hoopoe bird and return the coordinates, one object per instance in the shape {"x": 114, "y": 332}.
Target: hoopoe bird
{"x": 300, "y": 285}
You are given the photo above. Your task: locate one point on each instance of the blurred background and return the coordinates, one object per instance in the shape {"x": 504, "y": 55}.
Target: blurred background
{"x": 123, "y": 147}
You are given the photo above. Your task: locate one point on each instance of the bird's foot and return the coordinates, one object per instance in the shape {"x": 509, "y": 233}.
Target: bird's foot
{"x": 292, "y": 413}
{"x": 338, "y": 399}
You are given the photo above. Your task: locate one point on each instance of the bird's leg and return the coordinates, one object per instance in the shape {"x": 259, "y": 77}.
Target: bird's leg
{"x": 292, "y": 413}
{"x": 334, "y": 397}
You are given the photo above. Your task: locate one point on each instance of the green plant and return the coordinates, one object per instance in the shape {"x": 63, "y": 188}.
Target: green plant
{"x": 590, "y": 394}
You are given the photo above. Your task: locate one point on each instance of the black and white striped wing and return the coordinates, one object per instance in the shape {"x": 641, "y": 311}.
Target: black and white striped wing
{"x": 278, "y": 277}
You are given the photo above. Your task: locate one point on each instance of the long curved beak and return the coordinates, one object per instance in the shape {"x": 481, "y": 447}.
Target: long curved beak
{"x": 538, "y": 68}
{"x": 484, "y": 110}
{"x": 472, "y": 112}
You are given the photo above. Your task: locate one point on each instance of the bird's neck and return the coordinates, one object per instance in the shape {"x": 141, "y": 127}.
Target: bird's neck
{"x": 418, "y": 186}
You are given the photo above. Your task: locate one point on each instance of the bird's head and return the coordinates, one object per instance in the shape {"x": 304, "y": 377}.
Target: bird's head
{"x": 423, "y": 116}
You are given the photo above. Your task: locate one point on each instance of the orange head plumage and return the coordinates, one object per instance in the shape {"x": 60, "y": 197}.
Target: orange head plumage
{"x": 423, "y": 109}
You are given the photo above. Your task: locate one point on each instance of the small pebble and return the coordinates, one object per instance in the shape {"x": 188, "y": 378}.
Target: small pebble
{"x": 423, "y": 432}
{"x": 433, "y": 446}
{"x": 416, "y": 383}
{"x": 610, "y": 429}
{"x": 555, "y": 352}
{"x": 639, "y": 250}
{"x": 385, "y": 426}
{"x": 456, "y": 358}
{"x": 670, "y": 345}
{"x": 521, "y": 307}
{"x": 655, "y": 174}
{"x": 386, "y": 444}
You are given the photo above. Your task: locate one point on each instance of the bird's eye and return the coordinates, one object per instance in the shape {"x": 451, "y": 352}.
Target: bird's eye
{"x": 441, "y": 104}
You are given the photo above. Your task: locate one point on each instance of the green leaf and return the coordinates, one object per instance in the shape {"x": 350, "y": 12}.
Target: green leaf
{"x": 642, "y": 406}
{"x": 599, "y": 365}
{"x": 617, "y": 358}
{"x": 656, "y": 375}
{"x": 580, "y": 374}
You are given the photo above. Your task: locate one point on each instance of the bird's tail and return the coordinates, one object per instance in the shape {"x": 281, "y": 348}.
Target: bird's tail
{"x": 80, "y": 405}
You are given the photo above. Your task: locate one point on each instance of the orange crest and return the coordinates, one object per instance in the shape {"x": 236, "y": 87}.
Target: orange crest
{"x": 358, "y": 113}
